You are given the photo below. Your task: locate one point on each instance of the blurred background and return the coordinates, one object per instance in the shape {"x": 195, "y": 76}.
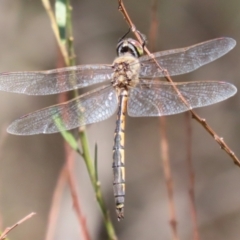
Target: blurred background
{"x": 30, "y": 166}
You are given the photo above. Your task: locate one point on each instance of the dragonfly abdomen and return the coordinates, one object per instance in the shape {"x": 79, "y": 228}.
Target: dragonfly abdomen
{"x": 118, "y": 155}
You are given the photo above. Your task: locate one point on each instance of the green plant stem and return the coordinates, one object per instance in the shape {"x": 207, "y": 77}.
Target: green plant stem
{"x": 69, "y": 58}
{"x": 54, "y": 25}
{"x": 96, "y": 185}
{"x": 83, "y": 136}
{"x": 70, "y": 38}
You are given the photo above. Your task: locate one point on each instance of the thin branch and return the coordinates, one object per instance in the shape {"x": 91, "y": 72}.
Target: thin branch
{"x": 65, "y": 176}
{"x": 153, "y": 26}
{"x": 96, "y": 184}
{"x": 168, "y": 178}
{"x": 70, "y": 38}
{"x": 63, "y": 16}
{"x": 69, "y": 57}
{"x": 202, "y": 121}
{"x": 55, "y": 206}
{"x": 9, "y": 229}
{"x": 84, "y": 143}
{"x": 83, "y": 138}
{"x": 54, "y": 25}
{"x": 3, "y": 134}
{"x": 73, "y": 189}
{"x": 164, "y": 148}
{"x": 96, "y": 161}
{"x": 191, "y": 174}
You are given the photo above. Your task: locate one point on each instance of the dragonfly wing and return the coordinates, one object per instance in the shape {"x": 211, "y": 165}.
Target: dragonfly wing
{"x": 56, "y": 80}
{"x": 159, "y": 98}
{"x": 89, "y": 108}
{"x": 185, "y": 60}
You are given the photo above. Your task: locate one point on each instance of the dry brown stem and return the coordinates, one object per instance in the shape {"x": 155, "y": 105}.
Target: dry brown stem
{"x": 168, "y": 178}
{"x": 202, "y": 121}
{"x": 72, "y": 183}
{"x": 9, "y": 229}
{"x": 191, "y": 174}
{"x": 73, "y": 189}
{"x": 164, "y": 147}
{"x": 66, "y": 176}
{"x": 55, "y": 206}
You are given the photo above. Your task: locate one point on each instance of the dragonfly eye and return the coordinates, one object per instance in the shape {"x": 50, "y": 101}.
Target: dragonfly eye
{"x": 129, "y": 46}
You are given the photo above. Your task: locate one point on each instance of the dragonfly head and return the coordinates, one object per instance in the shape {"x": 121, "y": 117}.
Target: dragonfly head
{"x": 130, "y": 46}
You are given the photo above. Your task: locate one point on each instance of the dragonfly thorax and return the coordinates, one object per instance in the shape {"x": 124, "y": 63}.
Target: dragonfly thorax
{"x": 126, "y": 65}
{"x": 126, "y": 71}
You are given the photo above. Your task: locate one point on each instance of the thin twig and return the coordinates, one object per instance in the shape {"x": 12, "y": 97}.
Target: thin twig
{"x": 85, "y": 153}
{"x": 202, "y": 121}
{"x": 73, "y": 189}
{"x": 70, "y": 38}
{"x": 191, "y": 174}
{"x": 8, "y": 229}
{"x": 96, "y": 160}
{"x": 55, "y": 206}
{"x": 164, "y": 148}
{"x": 84, "y": 143}
{"x": 69, "y": 157}
{"x": 65, "y": 176}
{"x": 153, "y": 26}
{"x": 54, "y": 25}
{"x": 168, "y": 178}
{"x": 3, "y": 134}
{"x": 96, "y": 185}
{"x": 85, "y": 147}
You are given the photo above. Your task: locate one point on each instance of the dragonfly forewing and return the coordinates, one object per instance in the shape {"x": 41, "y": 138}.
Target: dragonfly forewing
{"x": 89, "y": 108}
{"x": 55, "y": 81}
{"x": 160, "y": 98}
{"x": 185, "y": 60}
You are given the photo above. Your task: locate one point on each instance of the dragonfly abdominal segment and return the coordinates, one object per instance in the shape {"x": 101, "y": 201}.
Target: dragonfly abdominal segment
{"x": 118, "y": 155}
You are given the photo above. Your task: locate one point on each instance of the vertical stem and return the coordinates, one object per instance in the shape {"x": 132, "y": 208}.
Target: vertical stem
{"x": 191, "y": 177}
{"x": 83, "y": 137}
{"x": 70, "y": 38}
{"x": 96, "y": 185}
{"x": 69, "y": 57}
{"x": 200, "y": 120}
{"x": 55, "y": 205}
{"x": 164, "y": 141}
{"x": 168, "y": 177}
{"x": 73, "y": 189}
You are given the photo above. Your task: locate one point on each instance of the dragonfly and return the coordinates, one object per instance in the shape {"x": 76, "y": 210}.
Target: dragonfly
{"x": 131, "y": 85}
